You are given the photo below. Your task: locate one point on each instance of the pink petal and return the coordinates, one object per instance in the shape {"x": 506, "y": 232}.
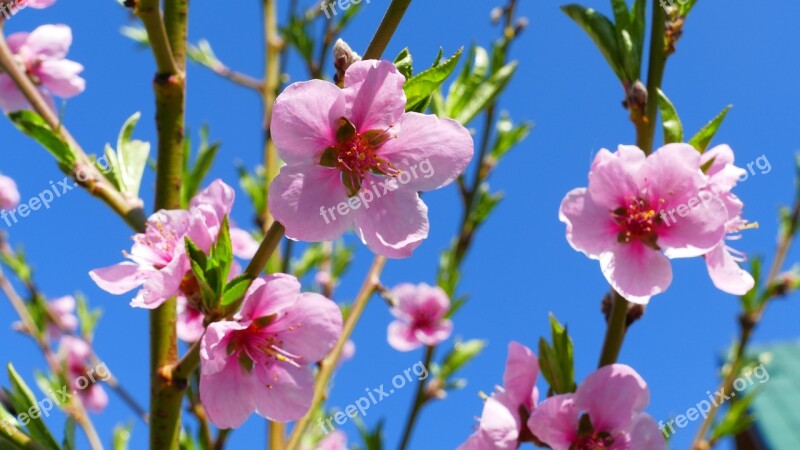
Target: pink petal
{"x": 590, "y": 228}
{"x": 614, "y": 176}
{"x": 435, "y": 334}
{"x": 60, "y": 77}
{"x": 611, "y": 395}
{"x": 120, "y": 278}
{"x": 519, "y": 378}
{"x": 310, "y": 328}
{"x": 305, "y": 198}
{"x": 555, "y": 421}
{"x": 637, "y": 272}
{"x": 15, "y": 41}
{"x": 422, "y": 299}
{"x": 645, "y": 434}
{"x": 52, "y": 41}
{"x": 94, "y": 398}
{"x": 244, "y": 246}
{"x": 11, "y": 99}
{"x": 394, "y": 224}
{"x": 402, "y": 337}
{"x": 190, "y": 326}
{"x": 722, "y": 155}
{"x": 286, "y": 392}
{"x": 214, "y": 346}
{"x": 304, "y": 120}
{"x": 39, "y": 4}
{"x": 375, "y": 96}
{"x": 162, "y": 284}
{"x": 9, "y": 195}
{"x": 218, "y": 196}
{"x": 334, "y": 441}
{"x": 726, "y": 273}
{"x": 499, "y": 425}
{"x": 269, "y": 295}
{"x": 432, "y": 151}
{"x": 697, "y": 232}
{"x": 229, "y": 395}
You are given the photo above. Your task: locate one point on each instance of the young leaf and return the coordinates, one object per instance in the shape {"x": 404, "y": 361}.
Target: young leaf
{"x": 235, "y": 289}
{"x": 23, "y": 400}
{"x": 486, "y": 93}
{"x": 34, "y": 126}
{"x": 419, "y": 88}
{"x": 405, "y": 63}
{"x": 461, "y": 354}
{"x": 194, "y": 178}
{"x": 673, "y": 129}
{"x": 703, "y": 137}
{"x": 508, "y": 135}
{"x": 557, "y": 361}
{"x": 602, "y": 32}
{"x": 471, "y": 76}
{"x": 69, "y": 434}
{"x": 122, "y": 435}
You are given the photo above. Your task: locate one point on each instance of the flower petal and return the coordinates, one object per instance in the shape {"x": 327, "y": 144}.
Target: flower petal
{"x": 402, "y": 337}
{"x": 645, "y": 434}
{"x": 11, "y": 98}
{"x": 375, "y": 96}
{"x": 286, "y": 392}
{"x": 310, "y": 328}
{"x": 394, "y": 224}
{"x": 555, "y": 421}
{"x": 60, "y": 77}
{"x": 519, "y": 378}
{"x": 120, "y": 278}
{"x": 304, "y": 120}
{"x": 637, "y": 272}
{"x": 214, "y": 346}
{"x": 431, "y": 151}
{"x": 614, "y": 176}
{"x": 51, "y": 41}
{"x": 229, "y": 395}
{"x": 305, "y": 198}
{"x": 269, "y": 295}
{"x": 725, "y": 272}
{"x": 611, "y": 395}
{"x": 436, "y": 333}
{"x": 244, "y": 246}
{"x": 590, "y": 228}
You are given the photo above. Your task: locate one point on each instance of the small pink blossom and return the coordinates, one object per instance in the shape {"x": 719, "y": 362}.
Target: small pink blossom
{"x": 612, "y": 401}
{"x": 723, "y": 261}
{"x": 261, "y": 361}
{"x": 619, "y": 218}
{"x": 158, "y": 261}
{"x": 337, "y": 440}
{"x": 62, "y": 309}
{"x": 37, "y": 4}
{"x": 355, "y": 158}
{"x": 501, "y": 424}
{"x": 9, "y": 195}
{"x": 41, "y": 54}
{"x": 76, "y": 354}
{"x": 420, "y": 312}
{"x": 190, "y": 323}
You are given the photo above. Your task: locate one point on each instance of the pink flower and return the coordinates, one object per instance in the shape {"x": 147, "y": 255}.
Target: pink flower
{"x": 722, "y": 261}
{"x": 354, "y": 158}
{"x": 501, "y": 424}
{"x": 83, "y": 379}
{"x": 622, "y": 219}
{"x": 62, "y": 309}
{"x": 159, "y": 263}
{"x": 420, "y": 312}
{"x": 41, "y": 53}
{"x": 9, "y": 195}
{"x": 605, "y": 412}
{"x": 190, "y": 324}
{"x": 37, "y": 4}
{"x": 262, "y": 360}
{"x": 336, "y": 440}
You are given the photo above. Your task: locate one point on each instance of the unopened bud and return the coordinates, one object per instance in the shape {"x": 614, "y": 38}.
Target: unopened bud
{"x": 343, "y": 58}
{"x": 496, "y": 15}
{"x": 635, "y": 311}
{"x": 522, "y": 23}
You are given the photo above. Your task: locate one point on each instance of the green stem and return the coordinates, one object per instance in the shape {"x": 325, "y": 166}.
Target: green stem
{"x": 149, "y": 12}
{"x": 615, "y": 332}
{"x": 166, "y": 393}
{"x": 655, "y": 74}
{"x": 328, "y": 365}
{"x": 272, "y": 80}
{"x": 419, "y": 401}
{"x": 386, "y": 29}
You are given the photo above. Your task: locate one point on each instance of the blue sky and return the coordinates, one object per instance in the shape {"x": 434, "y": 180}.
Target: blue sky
{"x": 520, "y": 267}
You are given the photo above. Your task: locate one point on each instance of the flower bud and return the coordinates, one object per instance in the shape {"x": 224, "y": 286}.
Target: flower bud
{"x": 343, "y": 58}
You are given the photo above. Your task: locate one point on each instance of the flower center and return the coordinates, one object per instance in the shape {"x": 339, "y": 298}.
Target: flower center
{"x": 253, "y": 344}
{"x": 637, "y": 221}
{"x": 355, "y": 154}
{"x": 598, "y": 441}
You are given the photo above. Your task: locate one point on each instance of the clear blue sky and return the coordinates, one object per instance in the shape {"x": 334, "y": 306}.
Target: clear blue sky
{"x": 520, "y": 268}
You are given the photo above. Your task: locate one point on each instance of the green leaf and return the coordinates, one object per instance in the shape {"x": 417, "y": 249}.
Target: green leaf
{"x": 126, "y": 164}
{"x": 486, "y": 93}
{"x": 419, "y": 88}
{"x": 298, "y": 35}
{"x": 703, "y": 137}
{"x": 737, "y": 418}
{"x": 203, "y": 54}
{"x": 69, "y": 434}
{"x": 673, "y": 129}
{"x": 122, "y": 436}
{"x": 621, "y": 14}
{"x": 88, "y": 317}
{"x": 463, "y": 87}
{"x": 222, "y": 252}
{"x": 136, "y": 34}
{"x": 235, "y": 289}
{"x": 34, "y": 126}
{"x": 24, "y": 402}
{"x": 508, "y": 135}
{"x": 373, "y": 440}
{"x": 602, "y": 32}
{"x": 194, "y": 177}
{"x": 405, "y": 63}
{"x": 311, "y": 258}
{"x": 253, "y": 185}
{"x": 460, "y": 355}
{"x": 557, "y": 361}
